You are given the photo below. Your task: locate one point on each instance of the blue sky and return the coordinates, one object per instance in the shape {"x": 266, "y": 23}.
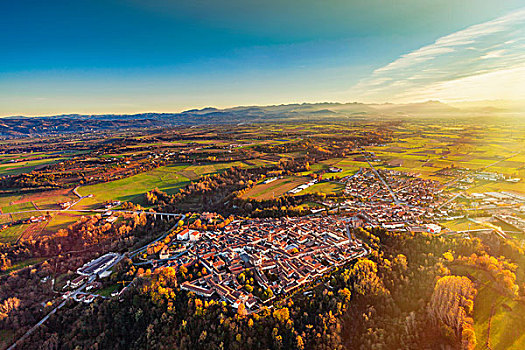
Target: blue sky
{"x": 90, "y": 56}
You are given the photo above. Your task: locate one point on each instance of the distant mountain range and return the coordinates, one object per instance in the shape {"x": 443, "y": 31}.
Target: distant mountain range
{"x": 20, "y": 126}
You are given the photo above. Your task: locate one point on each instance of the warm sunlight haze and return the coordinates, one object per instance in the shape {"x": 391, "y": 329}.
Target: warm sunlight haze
{"x": 279, "y": 174}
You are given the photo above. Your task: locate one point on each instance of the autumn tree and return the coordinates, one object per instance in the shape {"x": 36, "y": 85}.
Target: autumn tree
{"x": 451, "y": 305}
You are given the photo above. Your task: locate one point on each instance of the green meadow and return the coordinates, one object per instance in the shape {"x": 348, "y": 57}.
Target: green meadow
{"x": 24, "y": 166}
{"x": 275, "y": 188}
{"x": 505, "y": 315}
{"x": 18, "y": 207}
{"x": 167, "y": 178}
{"x": 11, "y": 234}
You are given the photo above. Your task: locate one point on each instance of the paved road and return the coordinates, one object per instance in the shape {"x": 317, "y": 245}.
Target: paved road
{"x": 450, "y": 200}
{"x": 394, "y": 197}
{"x": 494, "y": 228}
{"x": 75, "y": 191}
{"x": 501, "y": 160}
{"x": 43, "y": 320}
{"x": 29, "y": 332}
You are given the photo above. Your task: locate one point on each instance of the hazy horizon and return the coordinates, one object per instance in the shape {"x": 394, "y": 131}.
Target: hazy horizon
{"x": 513, "y": 106}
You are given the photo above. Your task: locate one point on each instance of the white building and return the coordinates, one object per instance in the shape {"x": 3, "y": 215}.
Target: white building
{"x": 183, "y": 235}
{"x": 433, "y": 228}
{"x": 194, "y": 235}
{"x": 188, "y": 234}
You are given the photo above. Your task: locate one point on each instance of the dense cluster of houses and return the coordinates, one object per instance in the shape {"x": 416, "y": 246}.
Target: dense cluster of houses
{"x": 282, "y": 254}
{"x": 416, "y": 200}
{"x": 408, "y": 188}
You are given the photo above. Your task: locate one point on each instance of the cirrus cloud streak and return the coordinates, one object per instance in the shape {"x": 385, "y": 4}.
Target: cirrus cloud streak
{"x": 483, "y": 61}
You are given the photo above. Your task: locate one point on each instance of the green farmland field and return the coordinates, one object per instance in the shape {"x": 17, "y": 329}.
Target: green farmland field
{"x": 167, "y": 178}
{"x": 5, "y": 218}
{"x": 63, "y": 220}
{"x": 11, "y": 234}
{"x": 274, "y": 189}
{"x": 18, "y": 207}
{"x": 132, "y": 188}
{"x": 24, "y": 166}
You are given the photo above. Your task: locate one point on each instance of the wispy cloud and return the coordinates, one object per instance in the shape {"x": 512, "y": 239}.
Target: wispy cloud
{"x": 475, "y": 63}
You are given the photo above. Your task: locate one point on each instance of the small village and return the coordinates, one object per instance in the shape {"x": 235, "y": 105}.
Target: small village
{"x": 390, "y": 199}
{"x": 262, "y": 175}
{"x": 280, "y": 255}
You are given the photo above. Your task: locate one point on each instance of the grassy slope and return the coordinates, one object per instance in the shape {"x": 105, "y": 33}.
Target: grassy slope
{"x": 108, "y": 290}
{"x": 25, "y": 166}
{"x": 461, "y": 225}
{"x": 18, "y": 207}
{"x": 6, "y": 200}
{"x": 5, "y": 218}
{"x": 63, "y": 220}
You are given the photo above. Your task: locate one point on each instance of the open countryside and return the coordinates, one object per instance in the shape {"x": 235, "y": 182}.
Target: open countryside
{"x": 262, "y": 175}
